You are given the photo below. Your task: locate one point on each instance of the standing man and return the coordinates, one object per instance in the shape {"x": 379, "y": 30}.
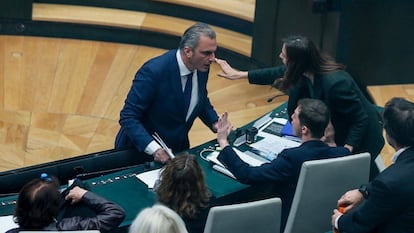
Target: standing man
{"x": 309, "y": 121}
{"x": 386, "y": 204}
{"x": 167, "y": 94}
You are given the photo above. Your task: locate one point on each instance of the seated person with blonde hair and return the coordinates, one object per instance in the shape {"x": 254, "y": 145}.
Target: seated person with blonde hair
{"x": 157, "y": 219}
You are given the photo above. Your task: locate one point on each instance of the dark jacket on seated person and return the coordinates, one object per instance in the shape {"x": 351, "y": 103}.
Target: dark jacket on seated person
{"x": 389, "y": 207}
{"x": 282, "y": 172}
{"x": 108, "y": 216}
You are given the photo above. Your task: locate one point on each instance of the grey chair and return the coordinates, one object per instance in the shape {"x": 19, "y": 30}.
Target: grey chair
{"x": 262, "y": 216}
{"x": 321, "y": 183}
{"x": 79, "y": 231}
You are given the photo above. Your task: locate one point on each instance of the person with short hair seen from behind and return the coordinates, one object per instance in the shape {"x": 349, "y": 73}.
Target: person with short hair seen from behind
{"x": 308, "y": 73}
{"x": 38, "y": 206}
{"x": 168, "y": 93}
{"x": 386, "y": 204}
{"x": 157, "y": 219}
{"x": 182, "y": 188}
{"x": 309, "y": 121}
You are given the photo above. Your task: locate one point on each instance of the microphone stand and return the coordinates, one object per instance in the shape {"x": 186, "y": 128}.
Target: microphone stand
{"x": 273, "y": 97}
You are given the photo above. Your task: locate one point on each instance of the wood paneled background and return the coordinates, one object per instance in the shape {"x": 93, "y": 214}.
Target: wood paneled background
{"x": 61, "y": 98}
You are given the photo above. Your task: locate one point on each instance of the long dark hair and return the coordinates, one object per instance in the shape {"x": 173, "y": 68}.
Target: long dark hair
{"x": 303, "y": 56}
{"x": 183, "y": 186}
{"x": 38, "y": 203}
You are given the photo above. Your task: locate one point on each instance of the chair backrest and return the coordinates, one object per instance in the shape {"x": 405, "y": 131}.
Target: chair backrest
{"x": 81, "y": 231}
{"x": 262, "y": 216}
{"x": 321, "y": 183}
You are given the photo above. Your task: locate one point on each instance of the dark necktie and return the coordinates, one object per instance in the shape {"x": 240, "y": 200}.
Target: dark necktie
{"x": 187, "y": 91}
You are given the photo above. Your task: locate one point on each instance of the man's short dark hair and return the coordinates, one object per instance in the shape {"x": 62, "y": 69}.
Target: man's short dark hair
{"x": 192, "y": 35}
{"x": 399, "y": 121}
{"x": 38, "y": 203}
{"x": 315, "y": 115}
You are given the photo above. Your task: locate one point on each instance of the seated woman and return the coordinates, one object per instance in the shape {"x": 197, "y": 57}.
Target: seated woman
{"x": 182, "y": 188}
{"x": 157, "y": 219}
{"x": 38, "y": 206}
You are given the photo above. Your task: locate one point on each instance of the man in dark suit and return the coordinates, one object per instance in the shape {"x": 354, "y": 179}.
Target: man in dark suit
{"x": 309, "y": 122}
{"x": 167, "y": 94}
{"x": 386, "y": 204}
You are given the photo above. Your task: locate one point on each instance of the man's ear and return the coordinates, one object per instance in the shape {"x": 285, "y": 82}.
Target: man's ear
{"x": 304, "y": 129}
{"x": 188, "y": 52}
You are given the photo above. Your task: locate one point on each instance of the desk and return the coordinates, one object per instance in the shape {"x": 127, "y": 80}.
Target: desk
{"x": 124, "y": 188}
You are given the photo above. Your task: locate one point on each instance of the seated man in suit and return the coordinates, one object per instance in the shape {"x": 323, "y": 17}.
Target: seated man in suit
{"x": 386, "y": 204}
{"x": 168, "y": 93}
{"x": 309, "y": 121}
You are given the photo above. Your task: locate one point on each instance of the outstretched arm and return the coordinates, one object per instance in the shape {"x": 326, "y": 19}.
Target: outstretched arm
{"x": 229, "y": 72}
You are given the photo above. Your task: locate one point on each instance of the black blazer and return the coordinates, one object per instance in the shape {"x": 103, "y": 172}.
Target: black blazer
{"x": 355, "y": 119}
{"x": 108, "y": 216}
{"x": 389, "y": 207}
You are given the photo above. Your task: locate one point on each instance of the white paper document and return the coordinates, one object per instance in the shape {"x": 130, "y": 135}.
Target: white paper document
{"x": 254, "y": 162}
{"x": 7, "y": 223}
{"x": 150, "y": 177}
{"x": 273, "y": 144}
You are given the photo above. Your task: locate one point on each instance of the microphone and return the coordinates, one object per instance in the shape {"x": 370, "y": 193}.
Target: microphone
{"x": 273, "y": 97}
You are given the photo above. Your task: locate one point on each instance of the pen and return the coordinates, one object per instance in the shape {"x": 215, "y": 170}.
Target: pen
{"x": 163, "y": 145}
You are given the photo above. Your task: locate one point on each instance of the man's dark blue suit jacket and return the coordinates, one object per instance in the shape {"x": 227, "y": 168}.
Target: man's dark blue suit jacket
{"x": 389, "y": 207}
{"x": 282, "y": 172}
{"x": 155, "y": 103}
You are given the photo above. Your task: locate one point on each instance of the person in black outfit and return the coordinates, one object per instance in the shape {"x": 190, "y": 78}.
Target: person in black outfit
{"x": 386, "y": 204}
{"x": 38, "y": 206}
{"x": 308, "y": 73}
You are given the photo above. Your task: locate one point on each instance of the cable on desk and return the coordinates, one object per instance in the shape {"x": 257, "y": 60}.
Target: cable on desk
{"x": 204, "y": 151}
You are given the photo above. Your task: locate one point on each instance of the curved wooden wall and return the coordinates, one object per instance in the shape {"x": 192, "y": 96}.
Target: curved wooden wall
{"x": 231, "y": 40}
{"x": 61, "y": 97}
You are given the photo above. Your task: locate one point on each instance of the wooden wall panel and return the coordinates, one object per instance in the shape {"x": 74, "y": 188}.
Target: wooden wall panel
{"x": 13, "y": 67}
{"x": 48, "y": 58}
{"x": 99, "y": 71}
{"x": 62, "y": 97}
{"x": 119, "y": 66}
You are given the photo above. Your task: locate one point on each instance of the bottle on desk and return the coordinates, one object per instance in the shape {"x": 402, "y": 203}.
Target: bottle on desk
{"x": 251, "y": 134}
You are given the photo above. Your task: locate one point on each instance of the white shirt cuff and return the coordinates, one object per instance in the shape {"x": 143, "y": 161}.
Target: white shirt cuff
{"x": 152, "y": 147}
{"x": 336, "y": 222}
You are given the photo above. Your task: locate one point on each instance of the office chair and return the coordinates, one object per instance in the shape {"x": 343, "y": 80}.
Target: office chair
{"x": 321, "y": 183}
{"x": 79, "y": 231}
{"x": 262, "y": 216}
